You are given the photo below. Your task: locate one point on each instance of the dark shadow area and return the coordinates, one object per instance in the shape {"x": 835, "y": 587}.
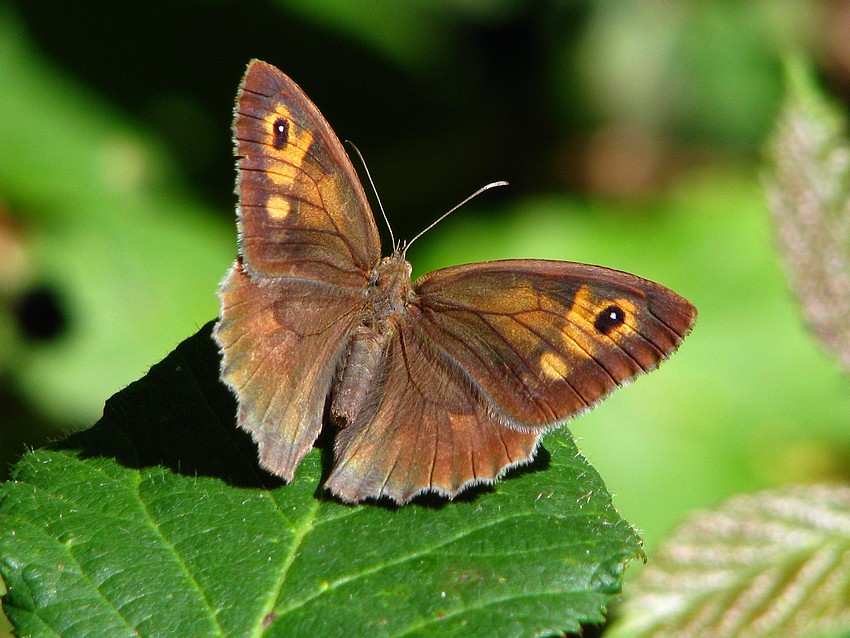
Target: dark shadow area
{"x": 23, "y": 427}
{"x": 429, "y": 500}
{"x": 175, "y": 69}
{"x": 435, "y": 501}
{"x": 41, "y": 313}
{"x": 178, "y": 415}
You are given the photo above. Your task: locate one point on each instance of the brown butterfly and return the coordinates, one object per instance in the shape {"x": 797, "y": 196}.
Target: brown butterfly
{"x": 434, "y": 385}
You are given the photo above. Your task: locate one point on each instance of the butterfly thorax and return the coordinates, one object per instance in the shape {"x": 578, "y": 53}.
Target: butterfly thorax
{"x": 390, "y": 289}
{"x": 388, "y": 294}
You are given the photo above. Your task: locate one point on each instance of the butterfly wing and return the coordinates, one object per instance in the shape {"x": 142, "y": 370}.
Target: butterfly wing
{"x": 429, "y": 431}
{"x": 542, "y": 340}
{"x": 490, "y": 356}
{"x": 308, "y": 242}
{"x": 302, "y": 210}
{"x": 282, "y": 340}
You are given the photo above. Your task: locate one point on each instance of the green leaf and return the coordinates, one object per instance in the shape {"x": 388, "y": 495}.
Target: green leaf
{"x": 158, "y": 521}
{"x": 774, "y": 563}
{"x": 809, "y": 194}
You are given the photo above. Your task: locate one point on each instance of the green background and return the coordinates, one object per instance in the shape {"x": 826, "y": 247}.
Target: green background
{"x": 632, "y": 134}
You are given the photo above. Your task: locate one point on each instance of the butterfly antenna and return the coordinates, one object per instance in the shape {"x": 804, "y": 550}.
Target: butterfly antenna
{"x": 375, "y": 191}
{"x": 450, "y": 211}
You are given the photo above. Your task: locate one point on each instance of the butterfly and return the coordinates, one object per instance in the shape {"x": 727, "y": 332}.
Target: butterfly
{"x": 432, "y": 386}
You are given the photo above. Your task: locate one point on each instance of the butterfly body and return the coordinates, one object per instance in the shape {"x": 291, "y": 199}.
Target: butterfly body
{"x": 388, "y": 295}
{"x": 432, "y": 385}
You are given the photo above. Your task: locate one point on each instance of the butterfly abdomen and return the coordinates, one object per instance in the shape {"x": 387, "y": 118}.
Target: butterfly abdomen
{"x": 362, "y": 368}
{"x": 360, "y": 371}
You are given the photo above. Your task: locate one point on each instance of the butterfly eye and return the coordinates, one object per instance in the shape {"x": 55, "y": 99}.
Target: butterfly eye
{"x": 609, "y": 319}
{"x": 280, "y": 132}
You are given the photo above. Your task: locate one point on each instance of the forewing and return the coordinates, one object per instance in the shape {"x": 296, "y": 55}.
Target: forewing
{"x": 543, "y": 340}
{"x": 302, "y": 210}
{"x": 428, "y": 431}
{"x": 282, "y": 341}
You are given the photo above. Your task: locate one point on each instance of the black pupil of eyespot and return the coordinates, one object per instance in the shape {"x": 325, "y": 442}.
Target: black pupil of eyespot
{"x": 609, "y": 319}
{"x": 280, "y": 130}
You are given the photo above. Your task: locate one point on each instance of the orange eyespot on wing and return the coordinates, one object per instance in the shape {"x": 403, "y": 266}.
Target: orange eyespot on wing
{"x": 490, "y": 356}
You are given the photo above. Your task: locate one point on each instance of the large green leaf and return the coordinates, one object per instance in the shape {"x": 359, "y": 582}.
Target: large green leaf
{"x": 157, "y": 521}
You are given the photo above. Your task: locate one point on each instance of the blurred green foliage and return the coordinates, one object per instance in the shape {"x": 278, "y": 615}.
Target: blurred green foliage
{"x": 630, "y": 132}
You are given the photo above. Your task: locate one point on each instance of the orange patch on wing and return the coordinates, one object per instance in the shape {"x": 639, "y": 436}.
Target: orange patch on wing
{"x": 553, "y": 365}
{"x": 587, "y": 306}
{"x": 580, "y": 335}
{"x": 278, "y": 207}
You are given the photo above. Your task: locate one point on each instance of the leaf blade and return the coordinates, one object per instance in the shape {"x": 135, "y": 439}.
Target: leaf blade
{"x": 172, "y": 529}
{"x": 775, "y": 563}
{"x": 809, "y": 196}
